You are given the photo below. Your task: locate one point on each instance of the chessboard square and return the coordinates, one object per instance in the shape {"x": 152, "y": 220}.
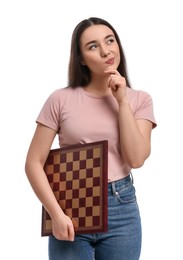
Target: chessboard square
{"x": 56, "y": 159}
{"x": 82, "y": 212}
{"x": 69, "y": 166}
{"x": 82, "y": 183}
{"x": 96, "y": 181}
{"x": 89, "y": 172}
{"x": 69, "y": 176}
{"x": 62, "y": 204}
{"x": 82, "y": 193}
{"x": 96, "y": 211}
{"x": 89, "y": 182}
{"x": 96, "y": 191}
{"x": 96, "y": 200}
{"x": 82, "y": 155}
{"x": 82, "y": 202}
{"x": 90, "y": 153}
{"x": 56, "y": 177}
{"x": 89, "y": 202}
{"x": 75, "y": 203}
{"x": 89, "y": 192}
{"x": 48, "y": 224}
{"x": 50, "y": 169}
{"x": 50, "y": 160}
{"x": 89, "y": 163}
{"x": 63, "y": 167}
{"x": 68, "y": 194}
{"x": 56, "y": 168}
{"x": 82, "y": 174}
{"x": 63, "y": 158}
{"x": 62, "y": 195}
{"x": 62, "y": 176}
{"x": 82, "y": 164}
{"x": 75, "y": 184}
{"x": 76, "y": 166}
{"x": 97, "y": 172}
{"x": 62, "y": 185}
{"x": 56, "y": 186}
{"x": 75, "y": 212}
{"x": 75, "y": 175}
{"x": 89, "y": 221}
{"x": 97, "y": 152}
{"x": 75, "y": 193}
{"x": 88, "y": 211}
{"x": 82, "y": 222}
{"x": 96, "y": 162}
{"x": 76, "y": 156}
{"x": 68, "y": 203}
{"x": 96, "y": 221}
{"x": 69, "y": 185}
{"x": 69, "y": 157}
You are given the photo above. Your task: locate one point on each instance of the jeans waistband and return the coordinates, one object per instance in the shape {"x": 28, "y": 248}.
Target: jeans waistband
{"x": 115, "y": 186}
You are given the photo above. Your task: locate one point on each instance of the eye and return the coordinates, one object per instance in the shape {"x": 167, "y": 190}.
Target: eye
{"x": 92, "y": 47}
{"x": 111, "y": 40}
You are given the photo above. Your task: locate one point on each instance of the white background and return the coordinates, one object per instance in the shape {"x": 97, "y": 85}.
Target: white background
{"x": 34, "y": 52}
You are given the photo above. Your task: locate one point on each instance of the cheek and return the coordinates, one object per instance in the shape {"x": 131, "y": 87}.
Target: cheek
{"x": 118, "y": 61}
{"x": 118, "y": 58}
{"x": 92, "y": 62}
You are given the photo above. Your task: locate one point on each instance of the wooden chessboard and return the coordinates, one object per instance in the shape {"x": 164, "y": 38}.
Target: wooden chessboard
{"x": 78, "y": 177}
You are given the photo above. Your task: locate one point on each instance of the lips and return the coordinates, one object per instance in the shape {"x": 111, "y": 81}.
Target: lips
{"x": 110, "y": 61}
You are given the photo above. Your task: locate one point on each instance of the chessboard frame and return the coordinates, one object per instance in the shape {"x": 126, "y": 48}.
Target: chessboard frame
{"x": 83, "y": 164}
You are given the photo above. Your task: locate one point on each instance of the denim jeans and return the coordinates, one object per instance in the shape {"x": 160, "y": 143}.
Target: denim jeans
{"x": 123, "y": 239}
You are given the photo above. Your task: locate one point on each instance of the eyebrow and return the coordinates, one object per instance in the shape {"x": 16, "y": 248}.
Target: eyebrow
{"x": 108, "y": 36}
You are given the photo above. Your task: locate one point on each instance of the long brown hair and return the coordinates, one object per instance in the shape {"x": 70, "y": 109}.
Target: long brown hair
{"x": 79, "y": 75}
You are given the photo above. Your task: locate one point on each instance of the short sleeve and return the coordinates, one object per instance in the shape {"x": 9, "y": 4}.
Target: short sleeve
{"x": 144, "y": 109}
{"x": 49, "y": 114}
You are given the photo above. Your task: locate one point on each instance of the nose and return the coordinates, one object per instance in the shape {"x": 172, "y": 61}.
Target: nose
{"x": 104, "y": 51}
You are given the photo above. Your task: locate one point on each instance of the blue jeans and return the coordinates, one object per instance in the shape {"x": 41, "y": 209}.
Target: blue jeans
{"x": 123, "y": 239}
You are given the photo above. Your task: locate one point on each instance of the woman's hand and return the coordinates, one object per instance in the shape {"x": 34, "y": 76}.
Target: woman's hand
{"x": 117, "y": 83}
{"x": 62, "y": 228}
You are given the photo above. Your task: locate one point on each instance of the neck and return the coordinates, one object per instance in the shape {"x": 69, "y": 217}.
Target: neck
{"x": 98, "y": 87}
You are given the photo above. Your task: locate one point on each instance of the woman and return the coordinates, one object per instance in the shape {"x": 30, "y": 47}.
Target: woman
{"x": 97, "y": 104}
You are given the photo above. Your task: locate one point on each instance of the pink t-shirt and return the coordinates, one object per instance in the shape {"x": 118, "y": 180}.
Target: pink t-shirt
{"x": 82, "y": 117}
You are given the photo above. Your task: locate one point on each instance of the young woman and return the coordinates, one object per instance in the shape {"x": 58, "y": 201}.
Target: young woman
{"x": 97, "y": 104}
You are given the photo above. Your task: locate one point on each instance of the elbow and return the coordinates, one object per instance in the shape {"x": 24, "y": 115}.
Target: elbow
{"x": 136, "y": 164}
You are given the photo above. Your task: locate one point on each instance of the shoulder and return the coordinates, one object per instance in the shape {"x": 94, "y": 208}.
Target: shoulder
{"x": 138, "y": 97}
{"x": 62, "y": 94}
{"x": 137, "y": 94}
{"x": 139, "y": 100}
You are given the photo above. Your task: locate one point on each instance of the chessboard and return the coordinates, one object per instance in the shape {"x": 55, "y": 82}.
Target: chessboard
{"x": 78, "y": 177}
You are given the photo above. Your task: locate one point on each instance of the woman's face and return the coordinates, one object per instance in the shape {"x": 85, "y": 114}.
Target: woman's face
{"x": 99, "y": 49}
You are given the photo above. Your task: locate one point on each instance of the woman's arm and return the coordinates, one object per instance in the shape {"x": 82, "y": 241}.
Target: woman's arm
{"x": 62, "y": 226}
{"x": 135, "y": 135}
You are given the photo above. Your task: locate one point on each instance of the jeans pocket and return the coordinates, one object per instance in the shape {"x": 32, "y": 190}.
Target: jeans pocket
{"x": 126, "y": 195}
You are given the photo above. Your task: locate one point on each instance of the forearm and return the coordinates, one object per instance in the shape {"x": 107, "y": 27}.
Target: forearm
{"x": 134, "y": 147}
{"x": 42, "y": 189}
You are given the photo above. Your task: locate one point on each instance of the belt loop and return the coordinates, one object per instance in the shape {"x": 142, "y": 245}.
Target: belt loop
{"x": 132, "y": 177}
{"x": 113, "y": 188}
